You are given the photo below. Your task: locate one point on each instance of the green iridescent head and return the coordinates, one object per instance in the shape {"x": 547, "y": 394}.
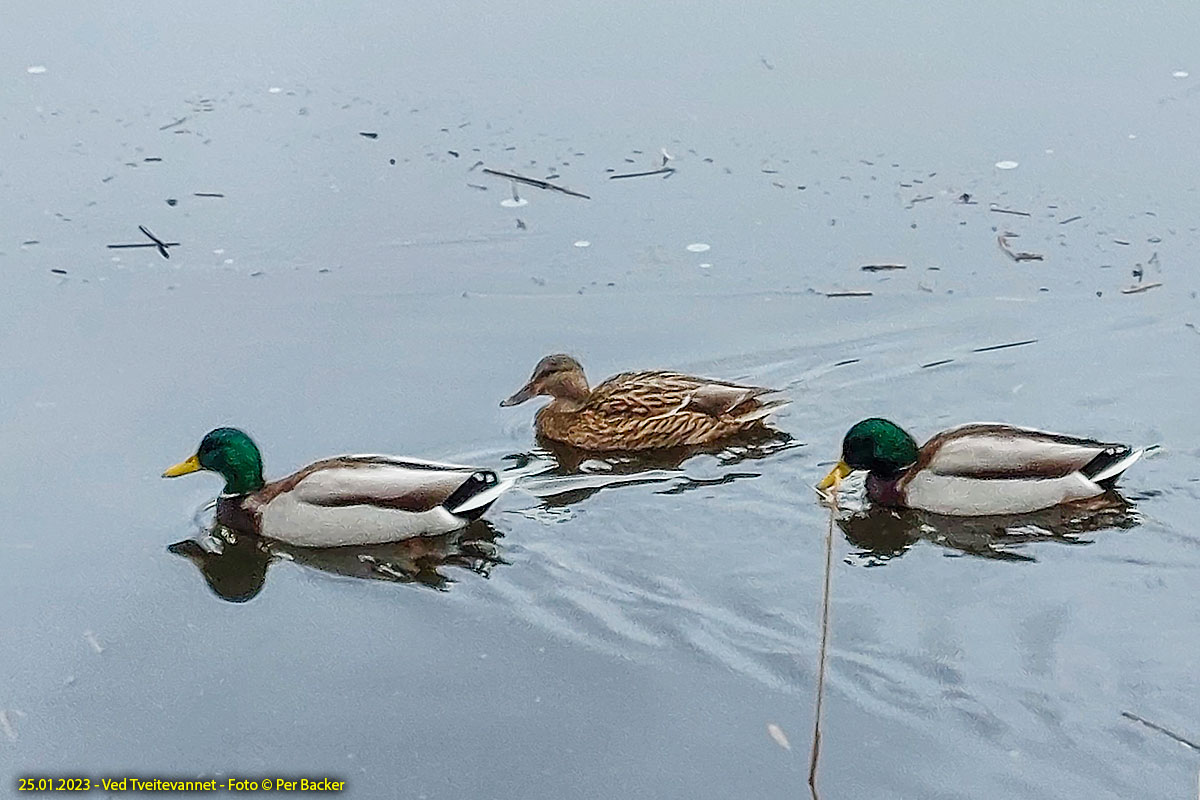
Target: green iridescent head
{"x": 879, "y": 446}
{"x": 230, "y": 453}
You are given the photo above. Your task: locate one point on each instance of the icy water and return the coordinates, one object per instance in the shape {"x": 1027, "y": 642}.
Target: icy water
{"x": 608, "y": 632}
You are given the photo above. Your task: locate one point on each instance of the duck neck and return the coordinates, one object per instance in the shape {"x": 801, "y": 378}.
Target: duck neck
{"x": 570, "y": 392}
{"x": 563, "y": 405}
{"x": 885, "y": 489}
{"x": 243, "y": 476}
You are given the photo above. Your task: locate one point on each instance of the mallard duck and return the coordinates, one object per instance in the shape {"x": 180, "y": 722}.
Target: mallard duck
{"x": 979, "y": 469}
{"x": 640, "y": 410}
{"x": 345, "y": 500}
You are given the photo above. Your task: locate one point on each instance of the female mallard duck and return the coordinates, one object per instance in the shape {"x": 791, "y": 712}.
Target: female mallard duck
{"x": 979, "y": 469}
{"x": 640, "y": 410}
{"x": 345, "y": 500}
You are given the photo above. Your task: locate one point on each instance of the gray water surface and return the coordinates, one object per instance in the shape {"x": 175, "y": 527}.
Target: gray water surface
{"x": 604, "y": 635}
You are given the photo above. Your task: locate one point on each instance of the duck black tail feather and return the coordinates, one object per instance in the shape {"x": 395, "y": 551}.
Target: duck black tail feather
{"x": 476, "y": 493}
{"x": 1105, "y": 468}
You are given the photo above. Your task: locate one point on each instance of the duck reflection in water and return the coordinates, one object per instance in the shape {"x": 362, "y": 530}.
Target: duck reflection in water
{"x": 882, "y": 533}
{"x": 574, "y": 475}
{"x": 235, "y": 564}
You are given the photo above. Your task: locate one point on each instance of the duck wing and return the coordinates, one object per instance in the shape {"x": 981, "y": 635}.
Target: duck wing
{"x": 658, "y": 393}
{"x": 997, "y": 451}
{"x": 390, "y": 482}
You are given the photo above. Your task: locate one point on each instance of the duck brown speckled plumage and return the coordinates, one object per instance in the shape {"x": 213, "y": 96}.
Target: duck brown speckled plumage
{"x": 640, "y": 410}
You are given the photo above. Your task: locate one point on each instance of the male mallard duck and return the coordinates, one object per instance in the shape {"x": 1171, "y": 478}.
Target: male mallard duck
{"x": 979, "y": 469}
{"x": 640, "y": 410}
{"x": 342, "y": 500}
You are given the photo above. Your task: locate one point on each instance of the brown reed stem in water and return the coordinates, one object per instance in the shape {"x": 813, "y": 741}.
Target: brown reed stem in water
{"x": 816, "y": 740}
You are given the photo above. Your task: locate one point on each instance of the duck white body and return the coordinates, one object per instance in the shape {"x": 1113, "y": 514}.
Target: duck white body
{"x": 990, "y": 468}
{"x": 364, "y": 499}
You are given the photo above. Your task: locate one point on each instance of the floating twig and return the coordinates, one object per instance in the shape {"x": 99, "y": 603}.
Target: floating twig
{"x": 660, "y": 171}
{"x": 847, "y": 362}
{"x": 933, "y": 364}
{"x": 882, "y": 267}
{"x": 159, "y": 243}
{"x": 207, "y": 194}
{"x": 154, "y": 242}
{"x": 368, "y": 134}
{"x": 1154, "y": 726}
{"x": 822, "y": 653}
{"x": 540, "y": 184}
{"x": 170, "y": 125}
{"x": 1000, "y": 210}
{"x": 1015, "y": 255}
{"x": 1005, "y": 346}
{"x": 1121, "y": 241}
{"x": 921, "y": 198}
{"x": 1138, "y": 288}
{"x": 1068, "y": 220}
{"x": 850, "y": 293}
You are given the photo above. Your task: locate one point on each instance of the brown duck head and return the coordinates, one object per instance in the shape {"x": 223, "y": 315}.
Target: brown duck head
{"x": 559, "y": 376}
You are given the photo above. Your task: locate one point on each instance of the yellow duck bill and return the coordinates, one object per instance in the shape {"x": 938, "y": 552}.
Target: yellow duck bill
{"x": 183, "y": 468}
{"x": 835, "y": 476}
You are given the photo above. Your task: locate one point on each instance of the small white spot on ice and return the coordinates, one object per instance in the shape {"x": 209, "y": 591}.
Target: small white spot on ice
{"x": 583, "y": 243}
{"x": 698, "y": 247}
{"x": 1177, "y": 74}
{"x": 274, "y": 90}
{"x": 514, "y": 202}
{"x": 1006, "y": 165}
{"x": 38, "y": 69}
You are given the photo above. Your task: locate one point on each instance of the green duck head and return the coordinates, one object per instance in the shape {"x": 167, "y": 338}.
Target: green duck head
{"x": 230, "y": 453}
{"x": 877, "y": 445}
